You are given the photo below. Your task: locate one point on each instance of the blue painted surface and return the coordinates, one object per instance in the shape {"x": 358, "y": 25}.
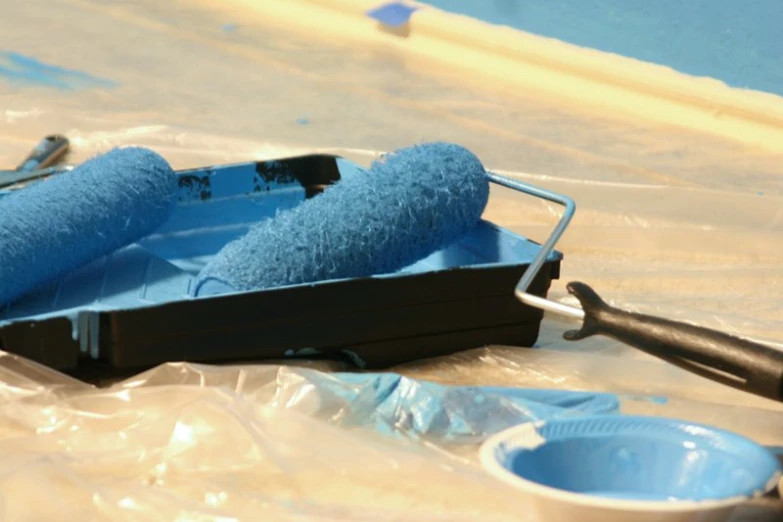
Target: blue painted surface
{"x": 641, "y": 458}
{"x": 26, "y": 70}
{"x": 740, "y": 43}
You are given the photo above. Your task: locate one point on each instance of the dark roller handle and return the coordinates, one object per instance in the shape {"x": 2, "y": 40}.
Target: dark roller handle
{"x": 734, "y": 361}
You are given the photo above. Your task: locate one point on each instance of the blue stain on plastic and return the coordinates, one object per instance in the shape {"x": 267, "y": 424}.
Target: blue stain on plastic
{"x": 396, "y": 405}
{"x": 21, "y": 69}
{"x": 590, "y": 402}
{"x": 393, "y": 14}
{"x": 655, "y": 399}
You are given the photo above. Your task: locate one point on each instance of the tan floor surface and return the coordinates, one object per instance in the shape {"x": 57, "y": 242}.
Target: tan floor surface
{"x": 668, "y": 221}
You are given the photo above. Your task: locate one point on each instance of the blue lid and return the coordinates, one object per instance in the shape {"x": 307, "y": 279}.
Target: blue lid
{"x": 636, "y": 458}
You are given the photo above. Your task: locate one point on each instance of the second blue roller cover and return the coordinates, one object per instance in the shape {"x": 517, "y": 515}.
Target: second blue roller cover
{"x": 410, "y": 203}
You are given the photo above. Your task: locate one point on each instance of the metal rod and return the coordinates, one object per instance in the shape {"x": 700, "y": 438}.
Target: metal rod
{"x": 39, "y": 163}
{"x": 12, "y": 177}
{"x": 48, "y": 152}
{"x": 521, "y": 290}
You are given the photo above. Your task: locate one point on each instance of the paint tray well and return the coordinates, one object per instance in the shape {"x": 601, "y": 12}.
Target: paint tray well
{"x": 131, "y": 310}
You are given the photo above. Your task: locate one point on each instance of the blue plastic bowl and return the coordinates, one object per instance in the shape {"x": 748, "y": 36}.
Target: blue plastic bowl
{"x": 630, "y": 458}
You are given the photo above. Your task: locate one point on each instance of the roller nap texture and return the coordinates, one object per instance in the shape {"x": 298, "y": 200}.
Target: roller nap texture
{"x": 410, "y": 204}
{"x": 60, "y": 224}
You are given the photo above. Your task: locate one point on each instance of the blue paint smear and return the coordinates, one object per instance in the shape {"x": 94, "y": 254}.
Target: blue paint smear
{"x": 403, "y": 407}
{"x": 26, "y": 70}
{"x": 655, "y": 399}
{"x": 740, "y": 43}
{"x": 393, "y": 14}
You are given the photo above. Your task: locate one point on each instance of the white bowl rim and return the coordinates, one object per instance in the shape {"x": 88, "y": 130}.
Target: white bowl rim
{"x": 528, "y": 431}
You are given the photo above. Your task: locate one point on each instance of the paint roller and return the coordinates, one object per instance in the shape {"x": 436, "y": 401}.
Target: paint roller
{"x": 409, "y": 204}
{"x": 420, "y": 199}
{"x": 62, "y": 223}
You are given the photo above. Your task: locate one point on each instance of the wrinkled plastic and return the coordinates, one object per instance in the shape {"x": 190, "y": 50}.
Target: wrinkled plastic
{"x": 307, "y": 442}
{"x": 188, "y": 442}
{"x": 668, "y": 222}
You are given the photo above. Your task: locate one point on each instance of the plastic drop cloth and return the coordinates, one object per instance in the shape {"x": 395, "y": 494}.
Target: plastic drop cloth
{"x": 189, "y": 442}
{"x": 670, "y": 222}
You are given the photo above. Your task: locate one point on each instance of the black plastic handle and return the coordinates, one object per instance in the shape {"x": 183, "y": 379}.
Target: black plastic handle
{"x": 731, "y": 360}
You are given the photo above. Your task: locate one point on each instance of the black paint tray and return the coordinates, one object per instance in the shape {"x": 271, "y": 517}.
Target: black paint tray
{"x": 131, "y": 310}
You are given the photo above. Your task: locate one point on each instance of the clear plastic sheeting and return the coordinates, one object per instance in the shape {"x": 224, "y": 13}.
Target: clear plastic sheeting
{"x": 668, "y": 221}
{"x": 312, "y": 443}
{"x": 190, "y": 442}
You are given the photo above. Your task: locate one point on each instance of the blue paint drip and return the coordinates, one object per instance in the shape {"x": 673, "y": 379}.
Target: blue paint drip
{"x": 393, "y": 14}
{"x": 21, "y": 69}
{"x": 655, "y": 399}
